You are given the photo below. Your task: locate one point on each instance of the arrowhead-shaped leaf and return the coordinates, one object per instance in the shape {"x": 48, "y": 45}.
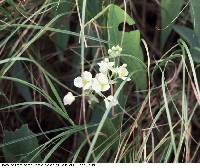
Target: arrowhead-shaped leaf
{"x": 190, "y": 37}
{"x": 131, "y": 44}
{"x": 169, "y": 11}
{"x": 195, "y": 6}
{"x": 21, "y": 150}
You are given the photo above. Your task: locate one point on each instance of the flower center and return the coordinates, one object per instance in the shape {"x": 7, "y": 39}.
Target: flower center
{"x": 85, "y": 82}
{"x": 123, "y": 72}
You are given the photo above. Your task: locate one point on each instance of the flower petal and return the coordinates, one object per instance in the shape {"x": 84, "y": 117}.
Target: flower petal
{"x": 105, "y": 87}
{"x": 68, "y": 98}
{"x": 86, "y": 76}
{"x": 102, "y": 78}
{"x": 110, "y": 101}
{"x": 96, "y": 85}
{"x": 78, "y": 82}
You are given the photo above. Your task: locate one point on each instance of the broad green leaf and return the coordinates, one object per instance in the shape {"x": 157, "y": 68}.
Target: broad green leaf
{"x": 21, "y": 151}
{"x": 187, "y": 34}
{"x": 190, "y": 37}
{"x": 93, "y": 8}
{"x": 108, "y": 128}
{"x": 131, "y": 44}
{"x": 62, "y": 23}
{"x": 18, "y": 72}
{"x": 96, "y": 116}
{"x": 195, "y": 52}
{"x": 170, "y": 9}
{"x": 195, "y": 6}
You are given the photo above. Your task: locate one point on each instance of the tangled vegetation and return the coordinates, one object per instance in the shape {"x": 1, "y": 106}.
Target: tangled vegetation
{"x": 99, "y": 81}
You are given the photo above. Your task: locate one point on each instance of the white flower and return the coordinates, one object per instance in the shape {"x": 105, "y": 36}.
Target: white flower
{"x": 68, "y": 99}
{"x": 115, "y": 51}
{"x": 109, "y": 51}
{"x": 100, "y": 83}
{"x": 110, "y": 101}
{"x": 105, "y": 65}
{"x": 84, "y": 81}
{"x": 123, "y": 72}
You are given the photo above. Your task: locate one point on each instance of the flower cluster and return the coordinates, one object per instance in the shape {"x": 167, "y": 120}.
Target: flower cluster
{"x": 115, "y": 51}
{"x": 102, "y": 81}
